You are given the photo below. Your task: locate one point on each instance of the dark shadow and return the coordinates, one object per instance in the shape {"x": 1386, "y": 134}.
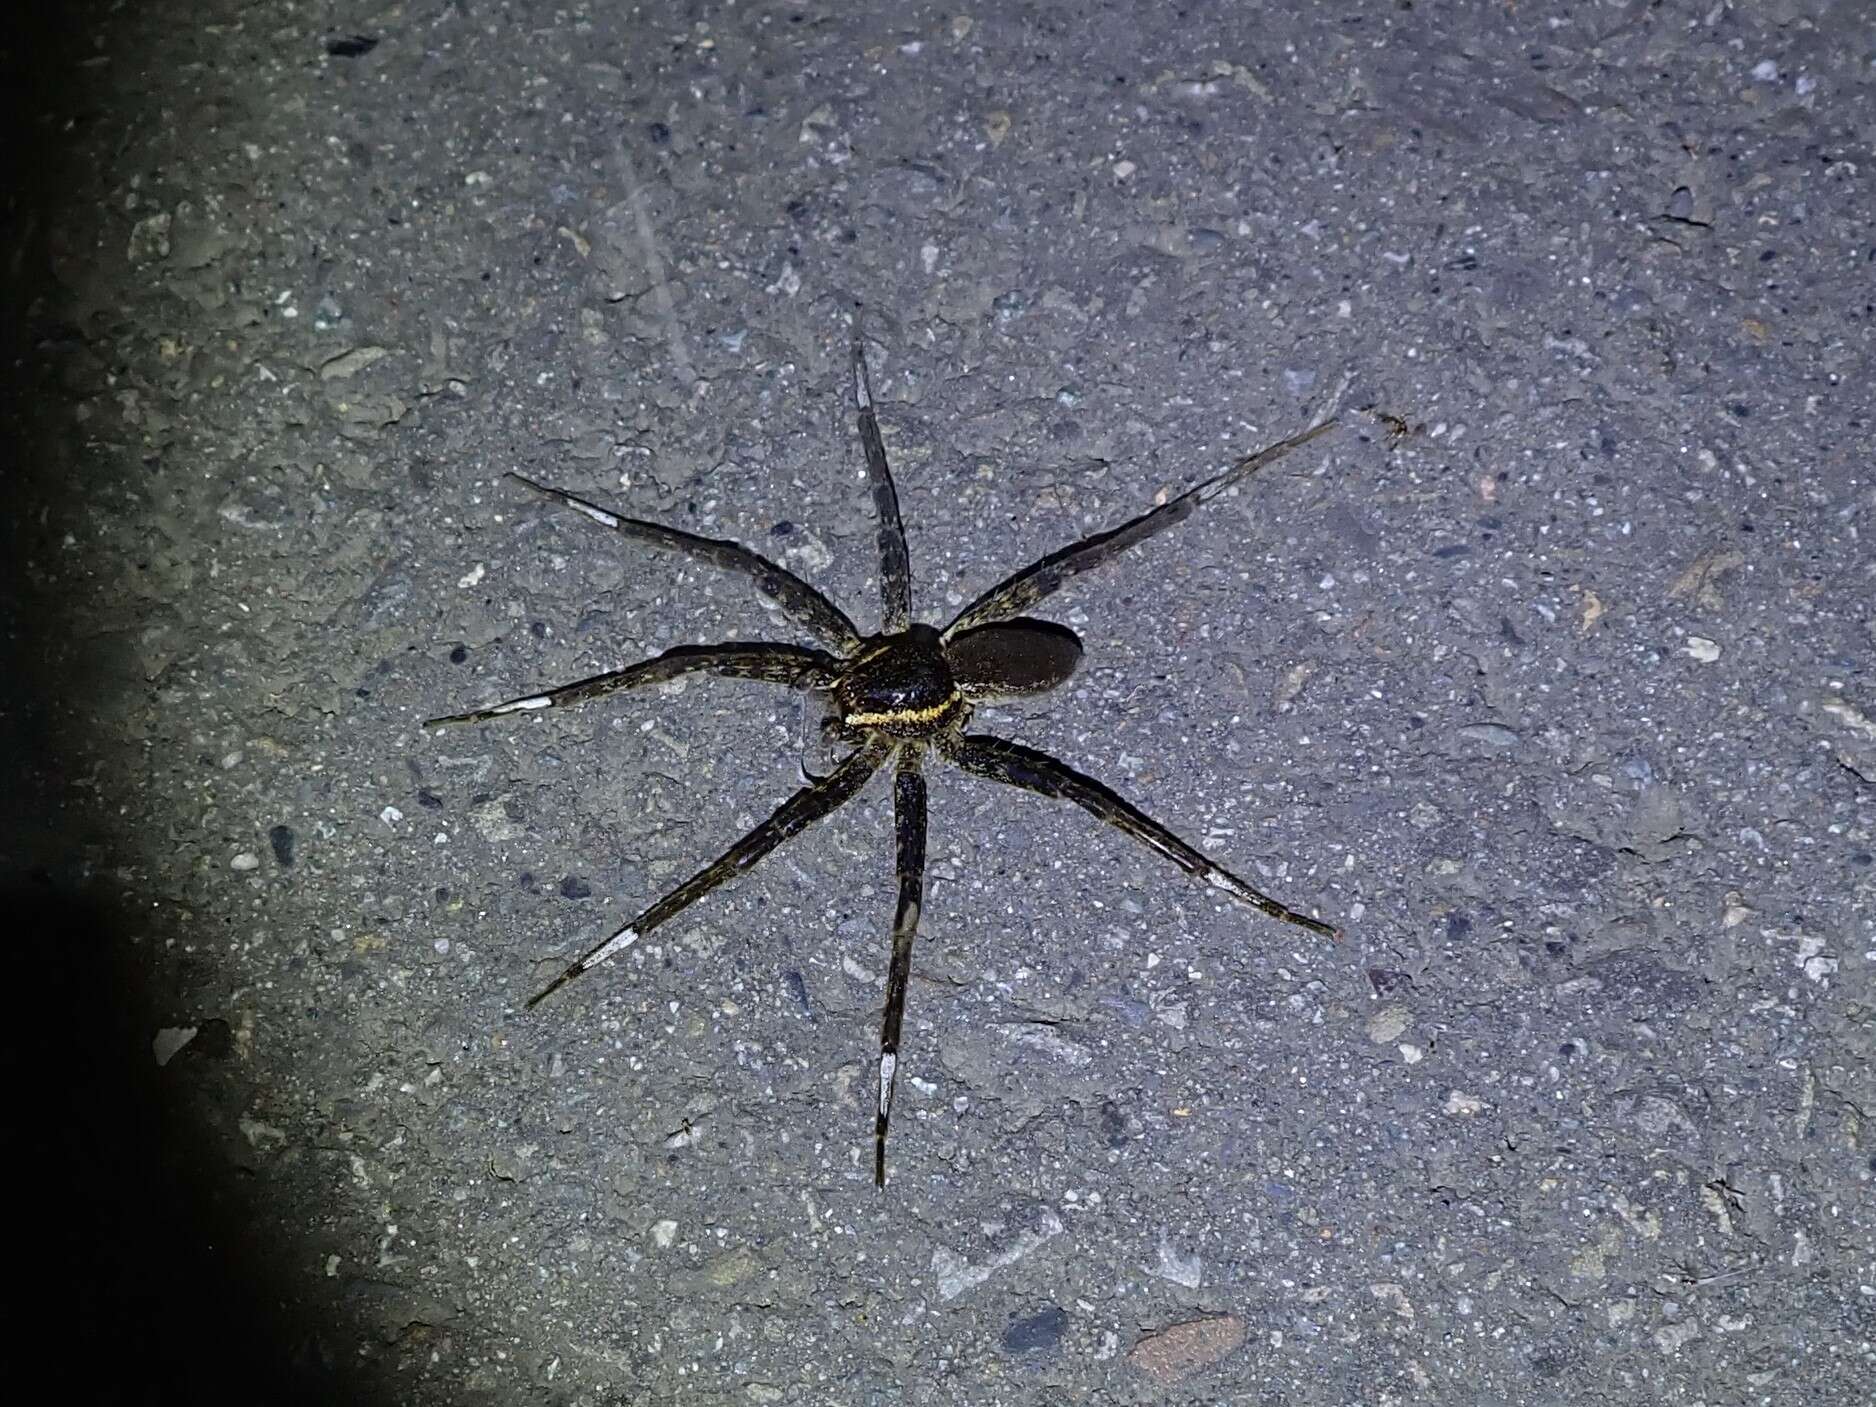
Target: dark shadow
{"x": 143, "y": 1271}
{"x": 146, "y": 1276}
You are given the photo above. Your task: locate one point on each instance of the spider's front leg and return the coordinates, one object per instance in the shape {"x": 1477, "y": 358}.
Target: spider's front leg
{"x": 895, "y": 566}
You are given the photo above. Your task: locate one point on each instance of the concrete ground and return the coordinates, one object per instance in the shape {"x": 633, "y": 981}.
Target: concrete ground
{"x": 1548, "y": 675}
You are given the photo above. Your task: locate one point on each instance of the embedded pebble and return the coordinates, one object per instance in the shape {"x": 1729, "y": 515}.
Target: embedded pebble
{"x": 1387, "y": 1025}
{"x": 1702, "y": 649}
{"x": 1180, "y": 1350}
{"x": 169, "y": 1040}
{"x": 1036, "y": 1333}
{"x": 246, "y": 860}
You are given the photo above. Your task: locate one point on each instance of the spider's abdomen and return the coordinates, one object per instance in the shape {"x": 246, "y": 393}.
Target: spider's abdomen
{"x": 900, "y": 684}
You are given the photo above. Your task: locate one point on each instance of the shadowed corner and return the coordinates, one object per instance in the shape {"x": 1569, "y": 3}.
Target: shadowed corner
{"x": 151, "y": 1268}
{"x": 154, "y": 1279}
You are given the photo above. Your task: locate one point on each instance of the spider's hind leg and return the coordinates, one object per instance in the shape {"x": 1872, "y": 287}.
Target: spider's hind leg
{"x": 1003, "y": 761}
{"x": 909, "y": 824}
{"x": 793, "y": 816}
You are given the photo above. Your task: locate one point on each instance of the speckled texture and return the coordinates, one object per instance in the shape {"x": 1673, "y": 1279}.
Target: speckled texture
{"x": 1561, "y": 701}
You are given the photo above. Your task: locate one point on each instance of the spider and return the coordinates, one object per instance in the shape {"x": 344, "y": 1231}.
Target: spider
{"x": 897, "y": 696}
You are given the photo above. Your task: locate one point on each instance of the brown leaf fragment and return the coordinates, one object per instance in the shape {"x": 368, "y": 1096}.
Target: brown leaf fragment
{"x": 1180, "y": 1350}
{"x": 1289, "y": 686}
{"x": 1592, "y": 611}
{"x": 1700, "y": 582}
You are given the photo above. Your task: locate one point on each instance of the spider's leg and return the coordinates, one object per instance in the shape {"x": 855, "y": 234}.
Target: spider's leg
{"x": 808, "y": 607}
{"x": 895, "y": 566}
{"x": 1005, "y": 761}
{"x": 793, "y": 665}
{"x": 909, "y": 818}
{"x": 1018, "y": 593}
{"x": 792, "y": 817}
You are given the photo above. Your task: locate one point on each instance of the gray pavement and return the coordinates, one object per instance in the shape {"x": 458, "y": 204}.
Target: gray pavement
{"x": 1548, "y": 676}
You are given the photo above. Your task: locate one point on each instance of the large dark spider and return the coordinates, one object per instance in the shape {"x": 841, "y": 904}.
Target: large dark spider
{"x": 895, "y": 694}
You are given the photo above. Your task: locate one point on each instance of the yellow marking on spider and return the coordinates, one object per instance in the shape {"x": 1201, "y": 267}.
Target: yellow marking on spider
{"x": 928, "y": 714}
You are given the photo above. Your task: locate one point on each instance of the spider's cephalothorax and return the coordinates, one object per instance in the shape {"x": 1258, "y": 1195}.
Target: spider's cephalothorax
{"x": 901, "y": 684}
{"x": 900, "y": 695}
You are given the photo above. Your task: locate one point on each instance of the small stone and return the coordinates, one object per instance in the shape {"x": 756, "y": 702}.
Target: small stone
{"x": 663, "y": 1233}
{"x": 149, "y": 239}
{"x": 1463, "y": 1105}
{"x": 1491, "y": 734}
{"x": 1181, "y": 1269}
{"x": 1387, "y": 1024}
{"x": 731, "y": 1269}
{"x": 169, "y": 1040}
{"x": 492, "y": 820}
{"x": 246, "y": 860}
{"x": 1036, "y": 1333}
{"x": 1702, "y": 649}
{"x": 1180, "y": 1350}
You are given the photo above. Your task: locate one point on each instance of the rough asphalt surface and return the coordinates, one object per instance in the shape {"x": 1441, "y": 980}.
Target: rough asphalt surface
{"x": 1548, "y": 675}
